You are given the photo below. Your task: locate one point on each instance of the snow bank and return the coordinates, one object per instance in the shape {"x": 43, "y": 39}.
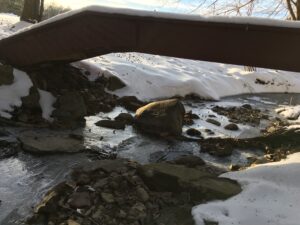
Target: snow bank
{"x": 46, "y": 102}
{"x": 166, "y": 15}
{"x": 290, "y": 112}
{"x": 6, "y": 21}
{"x": 10, "y": 95}
{"x": 271, "y": 195}
{"x": 153, "y": 77}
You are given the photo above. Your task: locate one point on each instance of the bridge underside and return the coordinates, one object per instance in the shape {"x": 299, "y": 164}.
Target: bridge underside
{"x": 88, "y": 33}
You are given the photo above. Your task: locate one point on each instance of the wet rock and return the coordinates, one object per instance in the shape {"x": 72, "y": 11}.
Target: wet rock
{"x": 234, "y": 167}
{"x": 8, "y": 149}
{"x": 80, "y": 200}
{"x": 217, "y": 147}
{"x": 215, "y": 122}
{"x": 112, "y": 124}
{"x": 247, "y": 106}
{"x": 126, "y": 118}
{"x": 70, "y": 108}
{"x": 130, "y": 103}
{"x": 231, "y": 126}
{"x": 114, "y": 83}
{"x": 161, "y": 118}
{"x": 138, "y": 211}
{"x": 189, "y": 118}
{"x": 72, "y": 222}
{"x": 189, "y": 161}
{"x": 142, "y": 194}
{"x": 193, "y": 132}
{"x": 108, "y": 198}
{"x": 49, "y": 203}
{"x": 201, "y": 185}
{"x": 244, "y": 114}
{"x": 47, "y": 142}
{"x": 6, "y": 75}
{"x": 209, "y": 132}
{"x": 179, "y": 215}
{"x": 107, "y": 166}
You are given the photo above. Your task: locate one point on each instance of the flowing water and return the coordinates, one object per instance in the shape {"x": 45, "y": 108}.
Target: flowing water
{"x": 25, "y": 178}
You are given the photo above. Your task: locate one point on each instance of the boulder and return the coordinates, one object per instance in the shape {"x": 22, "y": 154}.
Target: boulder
{"x": 130, "y": 103}
{"x": 193, "y": 132}
{"x": 112, "y": 124}
{"x": 114, "y": 83}
{"x": 189, "y": 161}
{"x": 231, "y": 126}
{"x": 47, "y": 142}
{"x": 162, "y": 117}
{"x": 214, "y": 122}
{"x": 70, "y": 108}
{"x": 126, "y": 118}
{"x": 200, "y": 184}
{"x": 6, "y": 75}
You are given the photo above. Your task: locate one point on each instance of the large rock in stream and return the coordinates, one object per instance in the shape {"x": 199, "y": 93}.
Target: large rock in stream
{"x": 161, "y": 118}
{"x": 124, "y": 192}
{"x": 41, "y": 142}
{"x": 201, "y": 184}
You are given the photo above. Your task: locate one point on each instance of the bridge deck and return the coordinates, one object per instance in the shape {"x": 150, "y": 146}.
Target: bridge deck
{"x": 89, "y": 33}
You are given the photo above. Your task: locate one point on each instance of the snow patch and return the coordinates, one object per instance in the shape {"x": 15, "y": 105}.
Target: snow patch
{"x": 10, "y": 95}
{"x": 290, "y": 112}
{"x": 270, "y": 195}
{"x": 151, "y": 77}
{"x": 46, "y": 102}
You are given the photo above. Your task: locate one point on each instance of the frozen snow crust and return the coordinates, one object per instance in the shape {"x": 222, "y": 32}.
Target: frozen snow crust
{"x": 270, "y": 195}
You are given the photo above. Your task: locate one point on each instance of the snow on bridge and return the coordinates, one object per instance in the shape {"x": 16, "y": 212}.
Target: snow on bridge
{"x": 94, "y": 31}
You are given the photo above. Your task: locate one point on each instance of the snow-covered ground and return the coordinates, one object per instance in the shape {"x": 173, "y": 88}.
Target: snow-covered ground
{"x": 10, "y": 95}
{"x": 151, "y": 77}
{"x": 271, "y": 195}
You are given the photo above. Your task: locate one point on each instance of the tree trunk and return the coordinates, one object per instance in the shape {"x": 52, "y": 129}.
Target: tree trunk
{"x": 298, "y": 9}
{"x": 32, "y": 11}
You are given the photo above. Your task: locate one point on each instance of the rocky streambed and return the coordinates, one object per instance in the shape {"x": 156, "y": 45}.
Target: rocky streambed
{"x": 101, "y": 159}
{"x": 27, "y": 175}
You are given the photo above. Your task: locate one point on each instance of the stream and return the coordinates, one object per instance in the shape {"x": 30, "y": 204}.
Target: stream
{"x": 24, "y": 179}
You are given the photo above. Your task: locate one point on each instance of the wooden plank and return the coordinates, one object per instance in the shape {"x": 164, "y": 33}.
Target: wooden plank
{"x": 89, "y": 33}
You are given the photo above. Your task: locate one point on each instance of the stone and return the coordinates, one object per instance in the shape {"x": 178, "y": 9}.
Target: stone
{"x": 126, "y": 118}
{"x": 161, "y": 118}
{"x": 107, "y": 166}
{"x": 201, "y": 185}
{"x": 247, "y": 106}
{"x": 212, "y": 121}
{"x": 111, "y": 124}
{"x": 114, "y": 83}
{"x": 234, "y": 167}
{"x": 142, "y": 194}
{"x": 231, "y": 126}
{"x": 80, "y": 200}
{"x": 8, "y": 148}
{"x": 138, "y": 211}
{"x": 193, "y": 132}
{"x": 69, "y": 107}
{"x": 108, "y": 198}
{"x": 189, "y": 161}
{"x": 72, "y": 222}
{"x": 44, "y": 142}
{"x": 130, "y": 103}
{"x": 6, "y": 75}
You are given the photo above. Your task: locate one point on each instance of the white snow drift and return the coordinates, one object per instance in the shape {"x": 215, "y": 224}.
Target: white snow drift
{"x": 10, "y": 95}
{"x": 271, "y": 195}
{"x": 152, "y": 77}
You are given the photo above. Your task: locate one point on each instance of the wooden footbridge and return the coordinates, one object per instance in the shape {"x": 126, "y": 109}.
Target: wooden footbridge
{"x": 95, "y": 31}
